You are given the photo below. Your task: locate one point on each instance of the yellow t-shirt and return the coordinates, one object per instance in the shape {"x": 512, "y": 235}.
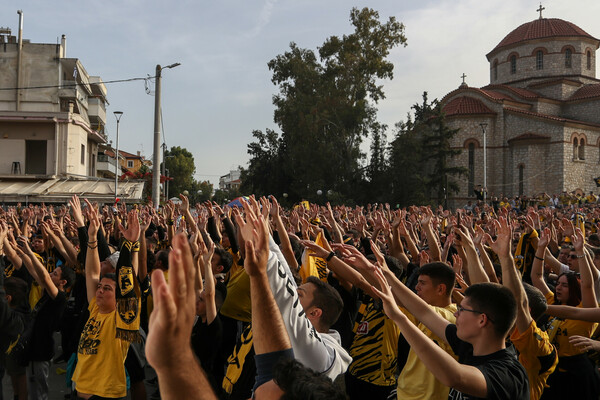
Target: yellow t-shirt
{"x": 374, "y": 349}
{"x": 415, "y": 380}
{"x": 237, "y": 304}
{"x": 101, "y": 356}
{"x": 537, "y": 355}
{"x": 561, "y": 329}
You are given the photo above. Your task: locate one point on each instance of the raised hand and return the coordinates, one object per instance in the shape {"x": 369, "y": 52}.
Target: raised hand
{"x": 94, "y": 218}
{"x": 170, "y": 327}
{"x": 578, "y": 240}
{"x": 503, "y": 238}
{"x": 132, "y": 233}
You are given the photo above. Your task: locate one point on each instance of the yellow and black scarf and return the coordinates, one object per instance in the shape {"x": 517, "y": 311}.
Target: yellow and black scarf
{"x": 128, "y": 295}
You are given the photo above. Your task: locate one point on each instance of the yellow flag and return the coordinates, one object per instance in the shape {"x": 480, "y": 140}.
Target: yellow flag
{"x": 313, "y": 266}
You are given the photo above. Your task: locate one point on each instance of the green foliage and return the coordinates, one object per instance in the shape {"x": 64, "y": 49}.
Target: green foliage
{"x": 200, "y": 192}
{"x": 180, "y": 163}
{"x": 419, "y": 158}
{"x": 325, "y": 107}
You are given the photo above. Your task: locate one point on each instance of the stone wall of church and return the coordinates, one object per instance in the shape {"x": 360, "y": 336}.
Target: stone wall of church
{"x": 553, "y": 60}
{"x": 546, "y": 107}
{"x": 558, "y": 90}
{"x": 583, "y": 111}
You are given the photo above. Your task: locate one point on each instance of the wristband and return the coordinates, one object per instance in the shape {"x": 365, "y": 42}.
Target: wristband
{"x": 538, "y": 258}
{"x": 330, "y": 256}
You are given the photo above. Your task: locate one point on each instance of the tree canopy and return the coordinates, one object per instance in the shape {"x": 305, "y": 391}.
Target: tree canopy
{"x": 325, "y": 107}
{"x": 180, "y": 164}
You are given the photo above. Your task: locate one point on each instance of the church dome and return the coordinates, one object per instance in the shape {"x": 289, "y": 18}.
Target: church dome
{"x": 543, "y": 28}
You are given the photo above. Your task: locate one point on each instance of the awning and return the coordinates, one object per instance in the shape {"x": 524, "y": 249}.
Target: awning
{"x": 62, "y": 189}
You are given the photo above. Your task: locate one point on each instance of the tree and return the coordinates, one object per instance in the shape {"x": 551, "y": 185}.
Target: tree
{"x": 325, "y": 107}
{"x": 200, "y": 191}
{"x": 180, "y": 163}
{"x": 420, "y": 171}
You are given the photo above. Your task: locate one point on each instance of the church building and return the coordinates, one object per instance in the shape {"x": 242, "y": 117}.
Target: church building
{"x": 538, "y": 119}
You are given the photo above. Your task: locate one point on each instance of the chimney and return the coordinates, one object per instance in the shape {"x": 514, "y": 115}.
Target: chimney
{"x": 63, "y": 46}
{"x": 139, "y": 154}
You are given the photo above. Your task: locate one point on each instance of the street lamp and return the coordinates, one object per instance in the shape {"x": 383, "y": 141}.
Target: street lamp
{"x": 118, "y": 115}
{"x": 483, "y": 128}
{"x": 156, "y": 156}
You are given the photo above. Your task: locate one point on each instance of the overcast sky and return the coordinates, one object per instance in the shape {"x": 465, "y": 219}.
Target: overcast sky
{"x": 222, "y": 90}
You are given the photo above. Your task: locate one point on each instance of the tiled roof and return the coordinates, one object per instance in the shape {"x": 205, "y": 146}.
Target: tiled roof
{"x": 542, "y": 28}
{"x": 586, "y": 92}
{"x": 529, "y": 136}
{"x": 465, "y": 106}
{"x": 524, "y": 93}
{"x": 496, "y": 95}
{"x": 550, "y": 117}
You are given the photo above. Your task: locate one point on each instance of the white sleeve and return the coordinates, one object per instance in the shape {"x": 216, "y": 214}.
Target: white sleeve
{"x": 309, "y": 347}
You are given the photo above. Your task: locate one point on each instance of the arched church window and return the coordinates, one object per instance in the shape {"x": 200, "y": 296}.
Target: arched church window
{"x": 513, "y": 64}
{"x": 496, "y": 70}
{"x": 471, "y": 168}
{"x": 539, "y": 60}
{"x": 575, "y": 149}
{"x": 568, "y": 58}
{"x": 581, "y": 149}
{"x": 589, "y": 59}
{"x": 521, "y": 179}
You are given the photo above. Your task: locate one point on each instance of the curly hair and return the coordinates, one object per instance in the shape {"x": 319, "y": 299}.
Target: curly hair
{"x": 301, "y": 383}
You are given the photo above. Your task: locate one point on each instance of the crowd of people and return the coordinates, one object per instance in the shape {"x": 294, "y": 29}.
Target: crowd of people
{"x": 496, "y": 301}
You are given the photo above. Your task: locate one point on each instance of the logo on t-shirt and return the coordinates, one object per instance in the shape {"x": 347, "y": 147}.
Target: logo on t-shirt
{"x": 363, "y": 328}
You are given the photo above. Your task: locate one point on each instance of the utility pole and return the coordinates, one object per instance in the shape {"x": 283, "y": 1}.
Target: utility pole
{"x": 118, "y": 115}
{"x": 156, "y": 155}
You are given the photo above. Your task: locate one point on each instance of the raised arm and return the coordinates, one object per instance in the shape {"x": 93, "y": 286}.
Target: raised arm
{"x": 537, "y": 270}
{"x": 286, "y": 245}
{"x": 209, "y": 285}
{"x": 168, "y": 347}
{"x": 432, "y": 240}
{"x": 588, "y": 297}
{"x": 92, "y": 260}
{"x": 444, "y": 367}
{"x": 474, "y": 266}
{"x": 37, "y": 270}
{"x": 510, "y": 277}
{"x": 184, "y": 209}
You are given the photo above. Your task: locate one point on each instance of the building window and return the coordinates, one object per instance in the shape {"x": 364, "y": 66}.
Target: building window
{"x": 513, "y": 64}
{"x": 471, "y": 169}
{"x": 539, "y": 60}
{"x": 521, "y": 179}
{"x": 568, "y": 58}
{"x": 83, "y": 153}
{"x": 581, "y": 149}
{"x": 129, "y": 164}
{"x": 575, "y": 149}
{"x": 589, "y": 59}
{"x": 496, "y": 70}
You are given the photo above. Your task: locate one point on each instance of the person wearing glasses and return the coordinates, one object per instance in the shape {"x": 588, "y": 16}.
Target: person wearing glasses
{"x": 486, "y": 368}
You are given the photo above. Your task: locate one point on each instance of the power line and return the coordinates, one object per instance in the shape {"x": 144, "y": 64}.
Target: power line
{"x": 69, "y": 85}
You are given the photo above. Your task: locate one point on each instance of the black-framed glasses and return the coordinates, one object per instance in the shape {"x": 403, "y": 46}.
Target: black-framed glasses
{"x": 460, "y": 309}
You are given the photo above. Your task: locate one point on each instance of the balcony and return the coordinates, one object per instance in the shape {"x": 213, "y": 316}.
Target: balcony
{"x": 96, "y": 110}
{"x": 107, "y": 166}
{"x": 72, "y": 91}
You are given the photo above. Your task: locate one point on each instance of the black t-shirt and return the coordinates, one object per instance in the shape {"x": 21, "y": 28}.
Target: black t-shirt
{"x": 505, "y": 376}
{"x": 48, "y": 313}
{"x": 206, "y": 343}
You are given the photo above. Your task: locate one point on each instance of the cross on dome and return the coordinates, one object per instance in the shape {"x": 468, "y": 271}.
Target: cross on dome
{"x": 540, "y": 10}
